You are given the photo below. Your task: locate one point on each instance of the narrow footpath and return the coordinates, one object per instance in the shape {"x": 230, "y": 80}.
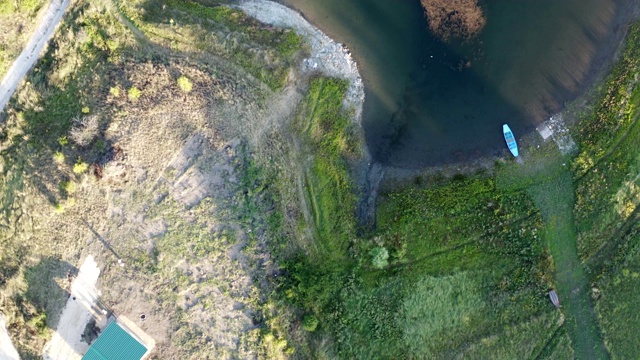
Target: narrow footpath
{"x": 555, "y": 198}
{"x": 545, "y": 175}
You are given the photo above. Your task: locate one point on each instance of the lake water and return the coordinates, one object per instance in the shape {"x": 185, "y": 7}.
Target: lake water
{"x": 430, "y": 102}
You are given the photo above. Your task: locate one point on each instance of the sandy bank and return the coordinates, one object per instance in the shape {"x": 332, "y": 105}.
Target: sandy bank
{"x": 325, "y": 55}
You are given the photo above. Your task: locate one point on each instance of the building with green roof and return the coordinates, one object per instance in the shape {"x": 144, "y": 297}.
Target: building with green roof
{"x": 115, "y": 343}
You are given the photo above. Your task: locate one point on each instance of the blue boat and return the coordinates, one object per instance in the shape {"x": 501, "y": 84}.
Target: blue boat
{"x": 510, "y": 139}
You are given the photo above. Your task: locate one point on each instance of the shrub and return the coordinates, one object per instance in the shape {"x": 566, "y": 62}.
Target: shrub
{"x": 379, "y": 257}
{"x": 85, "y": 130}
{"x": 68, "y": 187}
{"x": 58, "y": 208}
{"x": 58, "y": 157}
{"x": 80, "y": 167}
{"x": 115, "y": 91}
{"x": 185, "y": 84}
{"x": 448, "y": 18}
{"x": 310, "y": 323}
{"x": 134, "y": 93}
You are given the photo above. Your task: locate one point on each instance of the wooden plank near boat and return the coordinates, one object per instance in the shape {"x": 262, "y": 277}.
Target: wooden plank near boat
{"x": 510, "y": 139}
{"x": 554, "y": 298}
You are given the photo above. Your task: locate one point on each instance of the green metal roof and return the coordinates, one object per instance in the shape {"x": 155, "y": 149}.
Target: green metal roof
{"x": 115, "y": 344}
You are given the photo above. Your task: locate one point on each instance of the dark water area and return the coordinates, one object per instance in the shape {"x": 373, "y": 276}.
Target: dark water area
{"x": 430, "y": 102}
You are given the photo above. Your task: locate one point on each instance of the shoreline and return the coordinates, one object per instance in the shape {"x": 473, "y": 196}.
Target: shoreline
{"x": 326, "y": 55}
{"x": 557, "y": 127}
{"x": 332, "y": 58}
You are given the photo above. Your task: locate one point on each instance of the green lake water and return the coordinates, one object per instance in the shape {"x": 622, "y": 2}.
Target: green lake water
{"x": 429, "y": 102}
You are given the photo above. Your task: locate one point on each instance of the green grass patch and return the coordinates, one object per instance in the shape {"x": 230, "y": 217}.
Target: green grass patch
{"x": 606, "y": 174}
{"x": 617, "y": 292}
{"x": 265, "y": 52}
{"x": 328, "y": 188}
{"x": 446, "y": 290}
{"x": 30, "y": 7}
{"x": 437, "y": 310}
{"x": 607, "y": 168}
{"x": 532, "y": 339}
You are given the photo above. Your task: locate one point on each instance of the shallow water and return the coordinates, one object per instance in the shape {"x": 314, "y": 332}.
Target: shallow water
{"x": 430, "y": 102}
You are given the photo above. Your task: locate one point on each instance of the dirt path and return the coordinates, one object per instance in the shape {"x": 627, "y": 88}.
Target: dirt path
{"x": 32, "y": 50}
{"x": 67, "y": 342}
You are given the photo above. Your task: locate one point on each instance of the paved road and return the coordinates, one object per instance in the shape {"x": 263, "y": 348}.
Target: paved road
{"x": 32, "y": 50}
{"x": 81, "y": 307}
{"x": 7, "y": 350}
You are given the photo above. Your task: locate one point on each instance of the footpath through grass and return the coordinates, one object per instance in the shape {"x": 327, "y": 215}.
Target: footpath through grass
{"x": 555, "y": 199}
{"x": 547, "y": 178}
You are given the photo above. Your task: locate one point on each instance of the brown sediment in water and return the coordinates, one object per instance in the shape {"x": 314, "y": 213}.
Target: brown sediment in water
{"x": 454, "y": 18}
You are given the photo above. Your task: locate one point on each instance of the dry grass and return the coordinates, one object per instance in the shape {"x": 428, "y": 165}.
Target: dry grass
{"x": 85, "y": 130}
{"x": 454, "y": 18}
{"x": 164, "y": 192}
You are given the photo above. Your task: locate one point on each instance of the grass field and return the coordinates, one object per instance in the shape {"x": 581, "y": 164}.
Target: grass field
{"x": 606, "y": 168}
{"x": 218, "y": 31}
{"x": 465, "y": 267}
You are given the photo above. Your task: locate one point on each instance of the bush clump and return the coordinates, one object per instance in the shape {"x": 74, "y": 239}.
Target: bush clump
{"x": 134, "y": 93}
{"x": 185, "y": 84}
{"x": 454, "y": 18}
{"x": 85, "y": 130}
{"x": 310, "y": 323}
{"x": 80, "y": 167}
{"x": 58, "y": 157}
{"x": 379, "y": 257}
